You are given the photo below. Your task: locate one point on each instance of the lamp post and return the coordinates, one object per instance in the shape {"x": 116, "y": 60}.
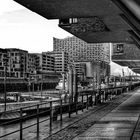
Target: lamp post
{"x": 5, "y": 61}
{"x": 63, "y": 79}
{"x": 75, "y": 85}
{"x": 5, "y": 94}
{"x": 41, "y": 85}
{"x": 29, "y": 85}
{"x": 71, "y": 84}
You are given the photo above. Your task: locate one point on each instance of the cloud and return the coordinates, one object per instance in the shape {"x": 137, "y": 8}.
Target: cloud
{"x": 21, "y": 16}
{"x": 9, "y": 5}
{"x": 22, "y": 28}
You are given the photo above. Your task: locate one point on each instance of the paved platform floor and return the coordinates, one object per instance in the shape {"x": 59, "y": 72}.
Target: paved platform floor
{"x": 122, "y": 123}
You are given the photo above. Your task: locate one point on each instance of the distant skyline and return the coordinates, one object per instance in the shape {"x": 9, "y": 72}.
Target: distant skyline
{"x": 24, "y": 29}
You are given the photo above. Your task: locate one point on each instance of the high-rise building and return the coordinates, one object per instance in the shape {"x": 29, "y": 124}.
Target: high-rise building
{"x": 61, "y": 61}
{"x": 78, "y": 50}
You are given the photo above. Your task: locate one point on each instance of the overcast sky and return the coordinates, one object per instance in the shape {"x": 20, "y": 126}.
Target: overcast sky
{"x": 24, "y": 29}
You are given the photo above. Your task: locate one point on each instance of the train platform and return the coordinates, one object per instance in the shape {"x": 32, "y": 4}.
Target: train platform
{"x": 119, "y": 119}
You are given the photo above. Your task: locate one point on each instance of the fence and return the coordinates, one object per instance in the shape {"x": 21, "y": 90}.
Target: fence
{"x": 53, "y": 109}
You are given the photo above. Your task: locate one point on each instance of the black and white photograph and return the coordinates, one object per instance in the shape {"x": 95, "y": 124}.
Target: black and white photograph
{"x": 69, "y": 70}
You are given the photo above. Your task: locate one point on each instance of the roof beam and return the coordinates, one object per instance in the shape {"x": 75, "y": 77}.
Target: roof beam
{"x": 56, "y": 9}
{"x": 132, "y": 18}
{"x": 135, "y": 38}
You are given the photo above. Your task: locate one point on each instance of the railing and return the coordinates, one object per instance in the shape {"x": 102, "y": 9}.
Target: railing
{"x": 16, "y": 105}
{"x": 52, "y": 109}
{"x": 56, "y": 109}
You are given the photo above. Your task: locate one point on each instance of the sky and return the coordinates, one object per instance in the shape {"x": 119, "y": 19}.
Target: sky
{"x": 24, "y": 29}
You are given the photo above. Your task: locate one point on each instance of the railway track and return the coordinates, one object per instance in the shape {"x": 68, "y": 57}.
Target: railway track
{"x": 87, "y": 120}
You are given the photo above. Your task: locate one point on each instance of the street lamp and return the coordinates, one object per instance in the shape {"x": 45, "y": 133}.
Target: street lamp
{"x": 41, "y": 84}
{"x": 5, "y": 94}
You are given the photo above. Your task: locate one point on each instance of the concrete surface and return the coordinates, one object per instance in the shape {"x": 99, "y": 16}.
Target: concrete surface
{"x": 119, "y": 124}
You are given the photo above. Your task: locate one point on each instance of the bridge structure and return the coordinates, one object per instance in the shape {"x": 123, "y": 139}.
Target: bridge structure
{"x": 102, "y": 21}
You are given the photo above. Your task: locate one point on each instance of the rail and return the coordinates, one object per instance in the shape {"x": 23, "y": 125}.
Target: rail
{"x": 53, "y": 109}
{"x": 17, "y": 105}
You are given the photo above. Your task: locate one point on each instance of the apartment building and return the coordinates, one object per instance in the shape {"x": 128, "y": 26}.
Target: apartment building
{"x": 44, "y": 63}
{"x": 18, "y": 62}
{"x": 4, "y": 62}
{"x": 78, "y": 50}
{"x": 48, "y": 62}
{"x": 61, "y": 61}
{"x": 14, "y": 62}
{"x": 32, "y": 63}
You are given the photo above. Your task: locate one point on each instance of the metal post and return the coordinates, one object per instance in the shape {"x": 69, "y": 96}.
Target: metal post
{"x": 41, "y": 85}
{"x": 87, "y": 102}
{"x": 29, "y": 85}
{"x": 63, "y": 70}
{"x": 104, "y": 95}
{"x": 101, "y": 96}
{"x": 82, "y": 103}
{"x": 75, "y": 88}
{"x": 111, "y": 94}
{"x": 37, "y": 121}
{"x": 98, "y": 77}
{"x": 38, "y": 86}
{"x": 61, "y": 111}
{"x": 91, "y": 100}
{"x": 69, "y": 107}
{"x": 71, "y": 84}
{"x": 63, "y": 79}
{"x": 5, "y": 94}
{"x": 76, "y": 111}
{"x": 51, "y": 116}
{"x": 68, "y": 82}
{"x": 108, "y": 92}
{"x": 95, "y": 98}
{"x": 21, "y": 127}
{"x": 33, "y": 87}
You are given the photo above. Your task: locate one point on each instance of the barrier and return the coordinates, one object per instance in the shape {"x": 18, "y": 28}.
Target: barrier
{"x": 53, "y": 109}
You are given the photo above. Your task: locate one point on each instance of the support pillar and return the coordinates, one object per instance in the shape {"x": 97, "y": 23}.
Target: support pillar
{"x": 98, "y": 82}
{"x": 75, "y": 92}
{"x": 38, "y": 87}
{"x": 33, "y": 87}
{"x": 94, "y": 86}
{"x": 71, "y": 84}
{"x": 94, "y": 81}
{"x": 67, "y": 82}
{"x": 63, "y": 79}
